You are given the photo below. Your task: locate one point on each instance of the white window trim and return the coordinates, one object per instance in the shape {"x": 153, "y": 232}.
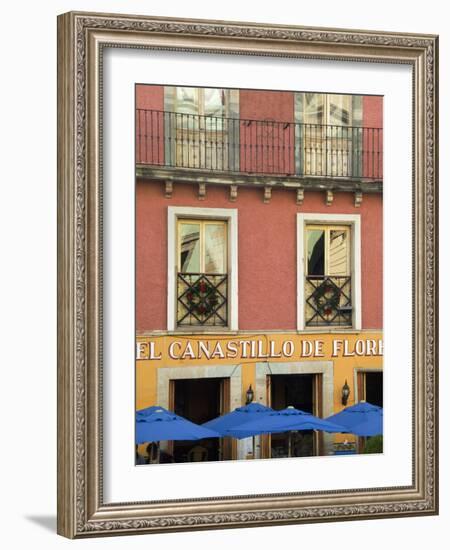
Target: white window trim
{"x": 231, "y": 216}
{"x": 354, "y": 220}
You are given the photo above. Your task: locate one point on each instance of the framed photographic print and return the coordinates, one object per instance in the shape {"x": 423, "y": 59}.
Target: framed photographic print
{"x": 247, "y": 274}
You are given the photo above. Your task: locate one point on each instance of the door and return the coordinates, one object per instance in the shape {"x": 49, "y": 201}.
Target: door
{"x": 370, "y": 387}
{"x": 200, "y": 126}
{"x": 326, "y": 135}
{"x": 200, "y": 400}
{"x": 304, "y": 392}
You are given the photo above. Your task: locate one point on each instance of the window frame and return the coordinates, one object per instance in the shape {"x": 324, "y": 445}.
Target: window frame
{"x": 231, "y": 111}
{"x": 201, "y": 102}
{"x": 202, "y": 238}
{"x": 326, "y": 101}
{"x": 363, "y": 371}
{"x": 355, "y": 121}
{"x": 327, "y": 228}
{"x": 229, "y": 215}
{"x": 305, "y": 221}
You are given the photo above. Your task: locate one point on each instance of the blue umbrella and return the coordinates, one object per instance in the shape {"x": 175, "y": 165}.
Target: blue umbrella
{"x": 144, "y": 413}
{"x": 162, "y": 425}
{"x": 286, "y": 420}
{"x": 362, "y": 419}
{"x": 226, "y": 423}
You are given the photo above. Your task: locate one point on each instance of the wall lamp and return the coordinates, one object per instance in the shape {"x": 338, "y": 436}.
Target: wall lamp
{"x": 249, "y": 395}
{"x": 345, "y": 393}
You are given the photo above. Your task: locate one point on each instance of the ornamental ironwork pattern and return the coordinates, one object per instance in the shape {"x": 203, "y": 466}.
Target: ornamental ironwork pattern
{"x": 328, "y": 301}
{"x": 202, "y": 300}
{"x": 171, "y": 139}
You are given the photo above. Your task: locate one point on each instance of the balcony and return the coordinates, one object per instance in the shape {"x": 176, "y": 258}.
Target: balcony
{"x": 328, "y": 301}
{"x": 207, "y": 144}
{"x": 202, "y": 300}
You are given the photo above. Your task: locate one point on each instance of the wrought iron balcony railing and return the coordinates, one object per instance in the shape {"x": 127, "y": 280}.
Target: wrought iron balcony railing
{"x": 169, "y": 139}
{"x": 202, "y": 300}
{"x": 328, "y": 301}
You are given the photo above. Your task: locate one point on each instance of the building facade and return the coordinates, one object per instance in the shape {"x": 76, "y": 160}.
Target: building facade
{"x": 259, "y": 260}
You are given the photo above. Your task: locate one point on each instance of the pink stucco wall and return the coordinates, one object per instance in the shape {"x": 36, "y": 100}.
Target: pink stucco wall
{"x": 267, "y": 252}
{"x": 149, "y": 124}
{"x": 373, "y": 139}
{"x": 266, "y": 144}
{"x": 266, "y": 147}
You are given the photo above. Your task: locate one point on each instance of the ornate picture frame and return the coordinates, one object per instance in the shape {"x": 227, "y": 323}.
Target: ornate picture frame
{"x": 82, "y": 40}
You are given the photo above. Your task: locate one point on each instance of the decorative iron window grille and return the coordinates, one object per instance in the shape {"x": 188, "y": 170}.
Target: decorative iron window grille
{"x": 202, "y": 299}
{"x": 328, "y": 301}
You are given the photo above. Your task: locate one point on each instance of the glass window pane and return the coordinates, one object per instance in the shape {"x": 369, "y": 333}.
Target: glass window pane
{"x": 189, "y": 247}
{"x": 314, "y": 110}
{"x": 316, "y": 251}
{"x": 340, "y": 109}
{"x": 214, "y": 108}
{"x": 215, "y": 248}
{"x": 187, "y": 108}
{"x": 187, "y": 100}
{"x": 339, "y": 252}
{"x": 214, "y": 101}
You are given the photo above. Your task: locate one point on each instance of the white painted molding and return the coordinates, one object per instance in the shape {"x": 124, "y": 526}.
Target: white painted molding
{"x": 231, "y": 216}
{"x": 354, "y": 220}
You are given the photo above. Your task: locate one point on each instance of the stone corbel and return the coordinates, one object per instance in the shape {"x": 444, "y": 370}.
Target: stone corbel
{"x": 329, "y": 198}
{"x": 233, "y": 193}
{"x": 201, "y": 191}
{"x": 300, "y": 195}
{"x": 358, "y": 198}
{"x": 267, "y": 194}
{"x": 168, "y": 189}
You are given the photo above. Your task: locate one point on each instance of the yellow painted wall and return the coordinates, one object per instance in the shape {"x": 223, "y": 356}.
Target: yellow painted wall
{"x": 328, "y": 347}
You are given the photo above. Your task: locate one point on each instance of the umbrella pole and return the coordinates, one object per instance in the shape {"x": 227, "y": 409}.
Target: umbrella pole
{"x": 254, "y": 446}
{"x": 158, "y": 452}
{"x": 290, "y": 445}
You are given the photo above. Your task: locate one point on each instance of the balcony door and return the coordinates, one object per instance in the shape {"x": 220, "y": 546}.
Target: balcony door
{"x": 200, "y": 128}
{"x": 326, "y": 136}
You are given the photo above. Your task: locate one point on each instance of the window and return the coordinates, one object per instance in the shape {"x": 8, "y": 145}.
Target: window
{"x": 199, "y": 128}
{"x": 202, "y": 289}
{"x": 329, "y": 135}
{"x": 205, "y": 102}
{"x": 202, "y": 268}
{"x": 329, "y": 278}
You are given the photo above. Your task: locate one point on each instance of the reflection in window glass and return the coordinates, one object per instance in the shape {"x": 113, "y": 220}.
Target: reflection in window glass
{"x": 187, "y": 100}
{"x": 314, "y": 108}
{"x": 339, "y": 253}
{"x": 215, "y": 248}
{"x": 213, "y": 109}
{"x": 187, "y": 103}
{"x": 340, "y": 109}
{"x": 189, "y": 247}
{"x": 316, "y": 252}
{"x": 214, "y": 101}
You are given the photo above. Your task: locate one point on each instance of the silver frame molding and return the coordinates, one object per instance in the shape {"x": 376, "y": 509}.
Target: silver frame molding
{"x": 81, "y": 38}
